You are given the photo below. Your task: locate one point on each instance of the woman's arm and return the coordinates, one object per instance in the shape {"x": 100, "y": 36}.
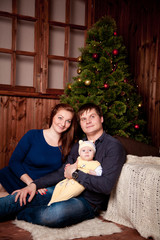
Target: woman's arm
{"x": 26, "y": 179}
{"x": 49, "y": 180}
{"x": 19, "y": 154}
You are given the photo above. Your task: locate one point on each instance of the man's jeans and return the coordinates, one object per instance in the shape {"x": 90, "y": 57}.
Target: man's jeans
{"x": 58, "y": 214}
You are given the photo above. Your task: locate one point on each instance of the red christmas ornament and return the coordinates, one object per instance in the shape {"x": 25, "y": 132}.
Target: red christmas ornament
{"x": 106, "y": 85}
{"x": 115, "y": 52}
{"x": 126, "y": 80}
{"x": 136, "y": 126}
{"x": 95, "y": 55}
{"x": 115, "y": 33}
{"x": 123, "y": 93}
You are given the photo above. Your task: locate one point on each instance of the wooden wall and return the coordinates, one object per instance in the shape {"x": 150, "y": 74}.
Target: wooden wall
{"x": 138, "y": 21}
{"x": 17, "y": 116}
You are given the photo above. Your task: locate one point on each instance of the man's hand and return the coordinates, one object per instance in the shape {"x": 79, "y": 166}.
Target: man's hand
{"x": 69, "y": 169}
{"x": 22, "y": 194}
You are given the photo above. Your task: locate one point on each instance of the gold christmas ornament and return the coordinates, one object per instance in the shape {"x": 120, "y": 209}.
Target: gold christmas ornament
{"x": 79, "y": 70}
{"x": 79, "y": 79}
{"x": 79, "y": 59}
{"x": 87, "y": 82}
{"x": 69, "y": 86}
{"x": 140, "y": 105}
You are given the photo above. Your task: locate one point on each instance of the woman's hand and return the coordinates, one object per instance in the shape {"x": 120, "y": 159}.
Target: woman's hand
{"x": 42, "y": 191}
{"x": 22, "y": 194}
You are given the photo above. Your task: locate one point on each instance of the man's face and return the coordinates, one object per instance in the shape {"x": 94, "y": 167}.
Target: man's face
{"x": 91, "y": 122}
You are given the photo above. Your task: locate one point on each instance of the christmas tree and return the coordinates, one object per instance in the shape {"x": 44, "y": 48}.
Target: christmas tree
{"x": 103, "y": 77}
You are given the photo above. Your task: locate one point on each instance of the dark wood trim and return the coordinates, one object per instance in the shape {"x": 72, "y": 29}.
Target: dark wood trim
{"x": 60, "y": 24}
{"x": 5, "y": 50}
{"x": 18, "y": 16}
{"x": 25, "y": 53}
{"x": 16, "y": 88}
{"x": 51, "y": 94}
{"x": 62, "y": 58}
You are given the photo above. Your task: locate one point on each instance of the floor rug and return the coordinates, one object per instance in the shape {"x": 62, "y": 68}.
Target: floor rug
{"x": 93, "y": 227}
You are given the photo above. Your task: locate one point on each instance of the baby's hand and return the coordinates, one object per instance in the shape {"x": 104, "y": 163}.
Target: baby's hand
{"x": 92, "y": 172}
{"x": 68, "y": 164}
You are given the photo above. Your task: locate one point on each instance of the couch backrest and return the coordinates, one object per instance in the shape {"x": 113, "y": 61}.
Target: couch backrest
{"x": 138, "y": 148}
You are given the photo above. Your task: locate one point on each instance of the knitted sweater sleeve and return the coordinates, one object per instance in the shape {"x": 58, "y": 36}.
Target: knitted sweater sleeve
{"x": 17, "y": 158}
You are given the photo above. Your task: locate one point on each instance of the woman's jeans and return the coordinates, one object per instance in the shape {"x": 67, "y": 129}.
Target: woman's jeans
{"x": 60, "y": 214}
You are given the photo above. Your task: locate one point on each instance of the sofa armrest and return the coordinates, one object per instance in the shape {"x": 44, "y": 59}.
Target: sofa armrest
{"x": 135, "y": 200}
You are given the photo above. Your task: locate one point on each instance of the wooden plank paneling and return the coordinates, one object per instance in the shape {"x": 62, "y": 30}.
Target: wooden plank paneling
{"x": 17, "y": 116}
{"x": 138, "y": 21}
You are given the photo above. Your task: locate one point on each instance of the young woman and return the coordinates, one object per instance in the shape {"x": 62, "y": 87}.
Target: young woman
{"x": 40, "y": 151}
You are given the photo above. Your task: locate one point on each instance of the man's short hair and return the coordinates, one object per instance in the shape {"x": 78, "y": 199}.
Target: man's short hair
{"x": 89, "y": 106}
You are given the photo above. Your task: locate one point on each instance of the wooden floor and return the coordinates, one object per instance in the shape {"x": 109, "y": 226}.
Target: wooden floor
{"x": 8, "y": 231}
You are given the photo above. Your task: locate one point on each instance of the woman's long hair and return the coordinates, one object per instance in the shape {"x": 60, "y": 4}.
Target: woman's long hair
{"x": 68, "y": 137}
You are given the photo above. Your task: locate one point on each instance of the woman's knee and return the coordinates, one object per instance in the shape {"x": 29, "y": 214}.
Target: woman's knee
{"x": 2, "y": 189}
{"x": 3, "y": 192}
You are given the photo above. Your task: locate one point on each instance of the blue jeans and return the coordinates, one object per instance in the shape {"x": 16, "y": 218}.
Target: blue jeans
{"x": 60, "y": 214}
{"x": 9, "y": 208}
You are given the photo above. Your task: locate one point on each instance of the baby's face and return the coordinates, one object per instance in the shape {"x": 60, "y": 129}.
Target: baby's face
{"x": 87, "y": 153}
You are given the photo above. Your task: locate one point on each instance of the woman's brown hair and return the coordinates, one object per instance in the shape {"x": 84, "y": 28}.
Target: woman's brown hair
{"x": 67, "y": 138}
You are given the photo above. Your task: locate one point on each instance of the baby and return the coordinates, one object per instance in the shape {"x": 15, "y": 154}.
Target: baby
{"x": 69, "y": 188}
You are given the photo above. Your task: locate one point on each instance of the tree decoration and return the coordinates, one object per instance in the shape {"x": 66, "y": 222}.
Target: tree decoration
{"x": 140, "y": 105}
{"x": 136, "y": 126}
{"x": 115, "y": 52}
{"x": 87, "y": 82}
{"x": 106, "y": 81}
{"x": 123, "y": 93}
{"x": 79, "y": 79}
{"x": 79, "y": 70}
{"x": 106, "y": 85}
{"x": 79, "y": 59}
{"x": 94, "y": 56}
{"x": 126, "y": 80}
{"x": 69, "y": 86}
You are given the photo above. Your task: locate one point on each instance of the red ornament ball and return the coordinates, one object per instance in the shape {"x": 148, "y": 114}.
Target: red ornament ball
{"x": 95, "y": 55}
{"x": 126, "y": 80}
{"x": 136, "y": 126}
{"x": 106, "y": 85}
{"x": 115, "y": 33}
{"x": 115, "y": 52}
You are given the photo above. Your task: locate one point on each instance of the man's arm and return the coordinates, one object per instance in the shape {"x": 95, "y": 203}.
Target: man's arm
{"x": 53, "y": 178}
{"x": 112, "y": 162}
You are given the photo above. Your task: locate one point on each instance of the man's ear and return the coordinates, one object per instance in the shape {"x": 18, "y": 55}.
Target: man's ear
{"x": 102, "y": 119}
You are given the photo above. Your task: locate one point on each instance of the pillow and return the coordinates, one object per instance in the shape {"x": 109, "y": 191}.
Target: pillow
{"x": 135, "y": 200}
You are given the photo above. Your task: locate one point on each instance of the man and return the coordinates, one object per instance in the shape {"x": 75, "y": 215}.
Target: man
{"x": 111, "y": 156}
